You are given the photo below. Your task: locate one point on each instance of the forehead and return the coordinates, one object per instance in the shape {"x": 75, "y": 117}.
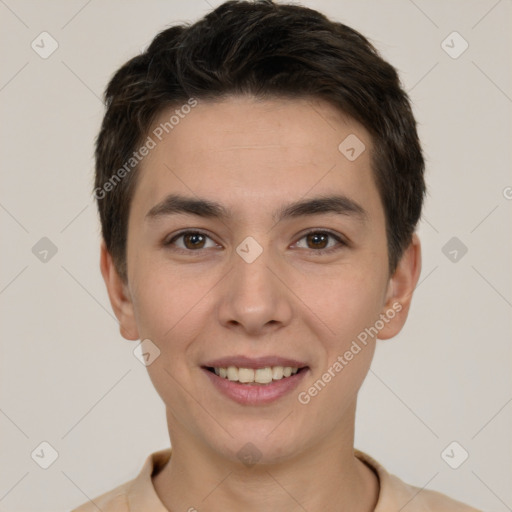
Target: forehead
{"x": 256, "y": 151}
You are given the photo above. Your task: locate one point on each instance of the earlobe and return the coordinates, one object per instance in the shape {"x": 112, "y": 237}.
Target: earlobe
{"x": 401, "y": 288}
{"x": 119, "y": 295}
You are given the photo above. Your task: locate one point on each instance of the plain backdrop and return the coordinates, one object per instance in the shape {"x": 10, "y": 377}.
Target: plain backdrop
{"x": 67, "y": 377}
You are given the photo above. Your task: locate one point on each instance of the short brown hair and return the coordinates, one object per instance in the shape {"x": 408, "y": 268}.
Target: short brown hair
{"x": 266, "y": 50}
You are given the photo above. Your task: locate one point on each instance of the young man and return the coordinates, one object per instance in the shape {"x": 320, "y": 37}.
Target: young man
{"x": 259, "y": 179}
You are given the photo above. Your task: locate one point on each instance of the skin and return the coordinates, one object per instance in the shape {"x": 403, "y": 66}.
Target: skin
{"x": 254, "y": 157}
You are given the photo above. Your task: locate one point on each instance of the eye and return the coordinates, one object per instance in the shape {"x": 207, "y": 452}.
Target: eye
{"x": 191, "y": 241}
{"x": 319, "y": 242}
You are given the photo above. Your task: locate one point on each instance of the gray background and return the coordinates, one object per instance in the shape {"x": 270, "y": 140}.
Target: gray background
{"x": 68, "y": 378}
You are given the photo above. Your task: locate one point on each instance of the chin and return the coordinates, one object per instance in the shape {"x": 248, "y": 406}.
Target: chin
{"x": 256, "y": 443}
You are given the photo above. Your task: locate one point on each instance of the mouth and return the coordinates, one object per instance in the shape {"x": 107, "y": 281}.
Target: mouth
{"x": 255, "y": 382}
{"x": 255, "y": 376}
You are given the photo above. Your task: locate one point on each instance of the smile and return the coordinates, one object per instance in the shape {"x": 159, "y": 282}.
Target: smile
{"x": 255, "y": 376}
{"x": 241, "y": 384}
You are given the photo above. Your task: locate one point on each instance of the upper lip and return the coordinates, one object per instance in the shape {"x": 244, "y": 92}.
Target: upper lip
{"x": 254, "y": 362}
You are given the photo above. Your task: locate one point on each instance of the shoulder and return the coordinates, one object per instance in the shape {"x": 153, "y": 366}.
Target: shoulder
{"x": 134, "y": 495}
{"x": 424, "y": 500}
{"x": 397, "y": 495}
{"x": 115, "y": 500}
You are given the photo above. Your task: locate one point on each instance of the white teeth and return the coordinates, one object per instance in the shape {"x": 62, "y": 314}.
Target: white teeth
{"x": 232, "y": 373}
{"x": 277, "y": 372}
{"x": 245, "y": 375}
{"x": 263, "y": 375}
{"x": 260, "y": 376}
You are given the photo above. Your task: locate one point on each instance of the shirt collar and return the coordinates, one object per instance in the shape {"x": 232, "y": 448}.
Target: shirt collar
{"x": 142, "y": 495}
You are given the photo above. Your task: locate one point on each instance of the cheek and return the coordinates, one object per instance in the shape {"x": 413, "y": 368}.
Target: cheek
{"x": 167, "y": 309}
{"x": 172, "y": 308}
{"x": 162, "y": 293}
{"x": 346, "y": 301}
{"x": 164, "y": 309}
{"x": 348, "y": 308}
{"x": 160, "y": 298}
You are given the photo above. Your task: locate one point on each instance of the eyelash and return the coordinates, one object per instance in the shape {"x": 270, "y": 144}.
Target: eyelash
{"x": 317, "y": 252}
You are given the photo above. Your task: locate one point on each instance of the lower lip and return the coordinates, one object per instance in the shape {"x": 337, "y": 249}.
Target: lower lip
{"x": 256, "y": 394}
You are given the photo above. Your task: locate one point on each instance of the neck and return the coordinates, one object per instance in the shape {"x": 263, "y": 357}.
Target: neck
{"x": 324, "y": 477}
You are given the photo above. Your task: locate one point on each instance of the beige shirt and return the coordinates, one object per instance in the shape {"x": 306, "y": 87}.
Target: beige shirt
{"x": 139, "y": 495}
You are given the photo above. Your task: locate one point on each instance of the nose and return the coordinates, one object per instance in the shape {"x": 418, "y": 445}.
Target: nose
{"x": 254, "y": 297}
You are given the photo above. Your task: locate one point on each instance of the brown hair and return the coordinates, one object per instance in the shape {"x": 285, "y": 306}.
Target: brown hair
{"x": 266, "y": 50}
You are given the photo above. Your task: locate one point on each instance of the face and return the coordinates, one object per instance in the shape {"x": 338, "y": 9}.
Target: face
{"x": 252, "y": 235}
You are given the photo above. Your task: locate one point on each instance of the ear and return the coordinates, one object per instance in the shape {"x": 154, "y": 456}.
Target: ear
{"x": 119, "y": 295}
{"x": 400, "y": 289}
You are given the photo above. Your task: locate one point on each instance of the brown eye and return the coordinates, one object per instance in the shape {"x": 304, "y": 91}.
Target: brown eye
{"x": 194, "y": 240}
{"x": 189, "y": 241}
{"x": 318, "y": 242}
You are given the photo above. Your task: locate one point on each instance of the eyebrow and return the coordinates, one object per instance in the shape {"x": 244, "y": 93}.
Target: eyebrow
{"x": 339, "y": 204}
